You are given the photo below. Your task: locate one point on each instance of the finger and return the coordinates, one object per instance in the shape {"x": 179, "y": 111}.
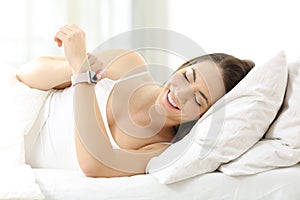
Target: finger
{"x": 101, "y": 75}
{"x": 68, "y": 29}
{"x": 71, "y": 29}
{"x": 58, "y": 41}
{"x": 92, "y": 60}
{"x": 65, "y": 30}
{"x": 97, "y": 68}
{"x": 75, "y": 27}
{"x": 97, "y": 71}
{"x": 89, "y": 56}
{"x": 60, "y": 36}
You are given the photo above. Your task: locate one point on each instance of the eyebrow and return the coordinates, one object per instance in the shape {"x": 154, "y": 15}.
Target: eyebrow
{"x": 201, "y": 93}
{"x": 194, "y": 74}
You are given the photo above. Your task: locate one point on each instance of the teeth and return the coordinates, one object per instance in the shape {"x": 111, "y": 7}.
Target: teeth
{"x": 171, "y": 100}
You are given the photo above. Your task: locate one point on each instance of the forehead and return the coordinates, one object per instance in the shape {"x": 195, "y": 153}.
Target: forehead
{"x": 209, "y": 75}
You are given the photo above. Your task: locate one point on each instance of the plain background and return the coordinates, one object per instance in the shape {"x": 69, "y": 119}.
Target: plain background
{"x": 253, "y": 29}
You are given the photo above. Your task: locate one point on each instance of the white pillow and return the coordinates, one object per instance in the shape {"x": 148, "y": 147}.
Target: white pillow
{"x": 19, "y": 107}
{"x": 229, "y": 128}
{"x": 281, "y": 146}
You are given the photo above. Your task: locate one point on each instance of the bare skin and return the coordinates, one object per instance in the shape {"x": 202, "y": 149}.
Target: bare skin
{"x": 36, "y": 74}
{"x": 47, "y": 73}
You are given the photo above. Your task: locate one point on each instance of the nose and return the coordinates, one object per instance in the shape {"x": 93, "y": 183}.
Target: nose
{"x": 186, "y": 91}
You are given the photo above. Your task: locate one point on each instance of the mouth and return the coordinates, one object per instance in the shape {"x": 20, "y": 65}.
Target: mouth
{"x": 171, "y": 100}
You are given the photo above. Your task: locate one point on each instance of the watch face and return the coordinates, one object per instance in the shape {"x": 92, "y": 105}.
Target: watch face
{"x": 93, "y": 77}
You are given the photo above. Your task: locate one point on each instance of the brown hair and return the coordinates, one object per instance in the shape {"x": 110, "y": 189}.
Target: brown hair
{"x": 233, "y": 71}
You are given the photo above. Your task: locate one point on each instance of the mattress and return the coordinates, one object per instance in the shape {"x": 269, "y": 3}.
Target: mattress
{"x": 283, "y": 183}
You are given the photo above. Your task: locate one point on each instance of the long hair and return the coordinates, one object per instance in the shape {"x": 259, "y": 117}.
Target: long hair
{"x": 233, "y": 70}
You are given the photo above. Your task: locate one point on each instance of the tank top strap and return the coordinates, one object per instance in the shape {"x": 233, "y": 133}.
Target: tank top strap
{"x": 103, "y": 91}
{"x": 133, "y": 76}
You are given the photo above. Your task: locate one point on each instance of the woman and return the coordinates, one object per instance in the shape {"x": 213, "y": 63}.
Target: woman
{"x": 122, "y": 117}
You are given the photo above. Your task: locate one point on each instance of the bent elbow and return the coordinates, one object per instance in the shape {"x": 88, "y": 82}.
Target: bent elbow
{"x": 103, "y": 171}
{"x": 90, "y": 171}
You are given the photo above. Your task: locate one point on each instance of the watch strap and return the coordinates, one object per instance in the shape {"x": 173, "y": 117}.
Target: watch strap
{"x": 86, "y": 77}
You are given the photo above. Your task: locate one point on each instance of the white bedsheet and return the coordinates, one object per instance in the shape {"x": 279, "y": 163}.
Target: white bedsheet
{"x": 278, "y": 184}
{"x": 19, "y": 106}
{"x": 17, "y": 180}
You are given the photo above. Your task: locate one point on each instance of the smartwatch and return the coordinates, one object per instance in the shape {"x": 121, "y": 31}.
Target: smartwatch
{"x": 87, "y": 77}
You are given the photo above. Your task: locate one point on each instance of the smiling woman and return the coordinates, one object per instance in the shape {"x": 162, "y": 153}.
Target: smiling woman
{"x": 125, "y": 118}
{"x": 210, "y": 77}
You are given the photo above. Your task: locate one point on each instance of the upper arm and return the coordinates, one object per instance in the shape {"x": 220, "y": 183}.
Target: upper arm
{"x": 92, "y": 167}
{"x": 45, "y": 73}
{"x": 122, "y": 62}
{"x": 110, "y": 57}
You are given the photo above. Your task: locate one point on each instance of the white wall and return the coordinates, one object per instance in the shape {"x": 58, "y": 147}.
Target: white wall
{"x": 254, "y": 29}
{"x": 28, "y": 26}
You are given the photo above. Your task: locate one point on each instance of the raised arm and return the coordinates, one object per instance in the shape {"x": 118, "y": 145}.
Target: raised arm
{"x": 94, "y": 152}
{"x": 47, "y": 72}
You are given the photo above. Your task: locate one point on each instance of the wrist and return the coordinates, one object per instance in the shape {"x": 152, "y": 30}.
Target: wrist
{"x": 86, "y": 77}
{"x": 84, "y": 66}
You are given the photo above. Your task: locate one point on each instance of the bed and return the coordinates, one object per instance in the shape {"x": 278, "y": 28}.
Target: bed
{"x": 263, "y": 164}
{"x": 272, "y": 185}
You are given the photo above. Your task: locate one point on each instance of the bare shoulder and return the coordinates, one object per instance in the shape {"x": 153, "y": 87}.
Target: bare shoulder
{"x": 154, "y": 147}
{"x": 108, "y": 57}
{"x": 120, "y": 62}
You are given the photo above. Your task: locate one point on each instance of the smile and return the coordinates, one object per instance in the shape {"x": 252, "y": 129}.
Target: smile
{"x": 171, "y": 101}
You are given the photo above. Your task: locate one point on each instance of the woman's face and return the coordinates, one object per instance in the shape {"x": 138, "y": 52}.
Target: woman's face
{"x": 186, "y": 96}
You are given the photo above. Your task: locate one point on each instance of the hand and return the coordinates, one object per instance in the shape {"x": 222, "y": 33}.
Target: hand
{"x": 95, "y": 63}
{"x": 74, "y": 42}
{"x": 96, "y": 66}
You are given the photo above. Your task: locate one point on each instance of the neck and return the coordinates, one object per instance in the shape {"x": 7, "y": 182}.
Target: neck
{"x": 144, "y": 110}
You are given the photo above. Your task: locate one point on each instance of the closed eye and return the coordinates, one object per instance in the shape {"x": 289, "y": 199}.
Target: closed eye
{"x": 186, "y": 78}
{"x": 195, "y": 98}
{"x": 199, "y": 104}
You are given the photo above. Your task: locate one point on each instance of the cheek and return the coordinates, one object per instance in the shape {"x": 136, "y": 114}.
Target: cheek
{"x": 191, "y": 110}
{"x": 177, "y": 80}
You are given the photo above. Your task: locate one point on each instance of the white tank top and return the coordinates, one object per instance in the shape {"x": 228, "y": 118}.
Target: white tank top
{"x": 55, "y": 146}
{"x": 103, "y": 90}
